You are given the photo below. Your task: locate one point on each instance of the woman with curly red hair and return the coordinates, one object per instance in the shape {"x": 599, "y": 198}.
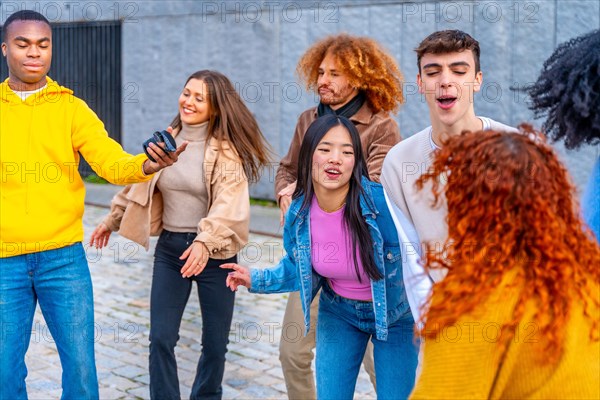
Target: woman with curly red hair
{"x": 516, "y": 315}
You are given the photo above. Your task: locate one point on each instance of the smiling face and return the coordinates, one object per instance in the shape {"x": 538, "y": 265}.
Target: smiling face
{"x": 333, "y": 162}
{"x": 333, "y": 86}
{"x": 449, "y": 82}
{"x": 28, "y": 51}
{"x": 194, "y": 107}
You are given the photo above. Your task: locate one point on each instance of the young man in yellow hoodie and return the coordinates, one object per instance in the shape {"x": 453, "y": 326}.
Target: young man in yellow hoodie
{"x": 43, "y": 128}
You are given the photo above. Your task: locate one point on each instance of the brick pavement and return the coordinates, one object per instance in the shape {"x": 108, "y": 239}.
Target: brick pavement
{"x": 122, "y": 274}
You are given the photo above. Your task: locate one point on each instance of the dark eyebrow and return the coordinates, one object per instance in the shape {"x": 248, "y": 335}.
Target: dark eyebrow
{"x": 432, "y": 65}
{"x": 192, "y": 92}
{"x": 331, "y": 144}
{"x": 454, "y": 64}
{"x": 460, "y": 64}
{"x": 26, "y": 40}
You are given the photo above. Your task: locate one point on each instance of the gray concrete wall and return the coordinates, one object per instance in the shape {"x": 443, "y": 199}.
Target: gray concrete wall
{"x": 257, "y": 44}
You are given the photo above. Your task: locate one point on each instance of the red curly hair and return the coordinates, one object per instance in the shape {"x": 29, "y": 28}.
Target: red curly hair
{"x": 366, "y": 64}
{"x": 511, "y": 196}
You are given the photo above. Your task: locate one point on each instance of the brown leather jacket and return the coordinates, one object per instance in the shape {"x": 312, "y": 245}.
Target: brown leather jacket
{"x": 136, "y": 211}
{"x": 378, "y": 133}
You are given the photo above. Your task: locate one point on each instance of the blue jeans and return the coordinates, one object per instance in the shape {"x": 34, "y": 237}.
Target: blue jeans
{"x": 60, "y": 281}
{"x": 343, "y": 329}
{"x": 169, "y": 296}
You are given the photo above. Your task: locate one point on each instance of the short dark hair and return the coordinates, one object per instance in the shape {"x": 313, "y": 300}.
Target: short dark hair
{"x": 23, "y": 15}
{"x": 449, "y": 41}
{"x": 567, "y": 92}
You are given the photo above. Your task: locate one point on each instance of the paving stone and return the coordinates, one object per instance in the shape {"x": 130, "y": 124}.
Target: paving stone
{"x": 185, "y": 390}
{"x": 236, "y": 382}
{"x": 141, "y": 392}
{"x": 129, "y": 371}
{"x": 108, "y": 363}
{"x": 262, "y": 392}
{"x": 123, "y": 383}
{"x": 265, "y": 380}
{"x": 280, "y": 387}
{"x": 111, "y": 393}
{"x": 363, "y": 385}
{"x": 186, "y": 365}
{"x": 231, "y": 393}
{"x": 254, "y": 364}
{"x": 277, "y": 372}
{"x": 45, "y": 394}
{"x": 145, "y": 379}
{"x": 43, "y": 385}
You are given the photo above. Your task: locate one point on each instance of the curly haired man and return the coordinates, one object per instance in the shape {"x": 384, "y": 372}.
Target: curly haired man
{"x": 356, "y": 78}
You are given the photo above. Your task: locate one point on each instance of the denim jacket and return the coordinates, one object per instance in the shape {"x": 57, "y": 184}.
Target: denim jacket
{"x": 294, "y": 272}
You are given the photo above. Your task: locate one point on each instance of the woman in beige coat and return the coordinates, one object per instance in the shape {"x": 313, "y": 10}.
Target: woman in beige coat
{"x": 201, "y": 209}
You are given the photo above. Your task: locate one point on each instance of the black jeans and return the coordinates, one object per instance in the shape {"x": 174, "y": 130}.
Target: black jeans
{"x": 170, "y": 293}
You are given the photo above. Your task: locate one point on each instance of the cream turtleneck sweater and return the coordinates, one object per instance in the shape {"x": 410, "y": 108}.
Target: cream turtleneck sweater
{"x": 182, "y": 185}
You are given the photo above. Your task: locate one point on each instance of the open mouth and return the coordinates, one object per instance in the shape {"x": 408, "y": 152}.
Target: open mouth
{"x": 332, "y": 173}
{"x": 187, "y": 111}
{"x": 446, "y": 102}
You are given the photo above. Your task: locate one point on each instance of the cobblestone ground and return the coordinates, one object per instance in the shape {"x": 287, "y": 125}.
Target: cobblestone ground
{"x": 122, "y": 274}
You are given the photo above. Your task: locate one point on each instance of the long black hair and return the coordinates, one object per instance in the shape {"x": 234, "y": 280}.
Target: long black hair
{"x": 568, "y": 92}
{"x": 356, "y": 226}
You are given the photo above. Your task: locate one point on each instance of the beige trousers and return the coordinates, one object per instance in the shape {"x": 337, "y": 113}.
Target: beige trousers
{"x": 296, "y": 350}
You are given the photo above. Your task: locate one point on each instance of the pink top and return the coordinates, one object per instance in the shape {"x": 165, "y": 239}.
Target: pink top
{"x": 331, "y": 248}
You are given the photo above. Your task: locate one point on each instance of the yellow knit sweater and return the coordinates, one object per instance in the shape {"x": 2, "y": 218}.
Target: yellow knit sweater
{"x": 464, "y": 361}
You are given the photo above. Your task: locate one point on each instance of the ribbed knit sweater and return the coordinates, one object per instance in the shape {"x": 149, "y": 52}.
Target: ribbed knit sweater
{"x": 465, "y": 361}
{"x": 183, "y": 186}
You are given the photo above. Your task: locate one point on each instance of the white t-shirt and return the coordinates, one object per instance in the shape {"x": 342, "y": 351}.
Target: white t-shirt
{"x": 25, "y": 94}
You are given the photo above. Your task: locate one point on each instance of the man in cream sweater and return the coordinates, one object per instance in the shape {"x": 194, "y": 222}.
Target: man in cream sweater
{"x": 449, "y": 75}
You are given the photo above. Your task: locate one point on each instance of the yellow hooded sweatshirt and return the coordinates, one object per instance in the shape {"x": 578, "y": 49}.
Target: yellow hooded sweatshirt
{"x": 41, "y": 191}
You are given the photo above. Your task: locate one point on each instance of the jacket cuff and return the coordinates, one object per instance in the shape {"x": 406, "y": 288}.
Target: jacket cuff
{"x": 257, "y": 284}
{"x": 141, "y": 176}
{"x": 212, "y": 245}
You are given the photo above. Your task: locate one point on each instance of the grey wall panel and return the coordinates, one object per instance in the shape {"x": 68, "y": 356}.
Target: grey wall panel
{"x": 495, "y": 32}
{"x": 576, "y": 17}
{"x": 534, "y": 35}
{"x": 415, "y": 25}
{"x": 355, "y": 20}
{"x": 454, "y": 15}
